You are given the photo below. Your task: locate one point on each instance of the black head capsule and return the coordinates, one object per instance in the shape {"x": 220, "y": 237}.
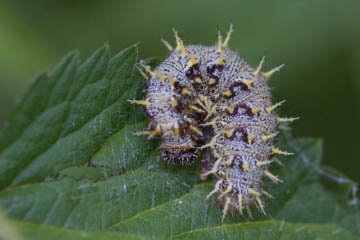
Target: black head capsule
{"x": 179, "y": 156}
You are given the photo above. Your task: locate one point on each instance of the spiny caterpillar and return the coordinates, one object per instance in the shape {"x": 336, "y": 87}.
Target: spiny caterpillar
{"x": 209, "y": 98}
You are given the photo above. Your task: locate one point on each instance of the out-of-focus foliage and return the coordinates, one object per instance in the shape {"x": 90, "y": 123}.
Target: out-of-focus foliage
{"x": 317, "y": 40}
{"x": 7, "y": 229}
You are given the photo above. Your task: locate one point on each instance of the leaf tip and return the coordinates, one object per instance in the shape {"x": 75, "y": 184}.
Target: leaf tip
{"x": 74, "y": 54}
{"x": 106, "y": 46}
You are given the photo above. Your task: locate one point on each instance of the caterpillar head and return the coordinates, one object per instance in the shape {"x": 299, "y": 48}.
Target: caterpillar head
{"x": 179, "y": 150}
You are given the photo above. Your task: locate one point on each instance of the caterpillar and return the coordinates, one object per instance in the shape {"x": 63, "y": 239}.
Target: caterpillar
{"x": 207, "y": 98}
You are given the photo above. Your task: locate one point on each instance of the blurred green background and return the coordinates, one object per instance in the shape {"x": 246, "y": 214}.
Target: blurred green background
{"x": 319, "y": 41}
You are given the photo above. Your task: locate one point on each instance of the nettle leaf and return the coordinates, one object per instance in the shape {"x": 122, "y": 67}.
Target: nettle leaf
{"x": 67, "y": 115}
{"x": 71, "y": 168}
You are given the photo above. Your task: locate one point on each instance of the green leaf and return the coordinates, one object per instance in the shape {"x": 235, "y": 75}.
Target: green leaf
{"x": 71, "y": 168}
{"x": 266, "y": 230}
{"x": 43, "y": 232}
{"x": 67, "y": 115}
{"x": 7, "y": 230}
